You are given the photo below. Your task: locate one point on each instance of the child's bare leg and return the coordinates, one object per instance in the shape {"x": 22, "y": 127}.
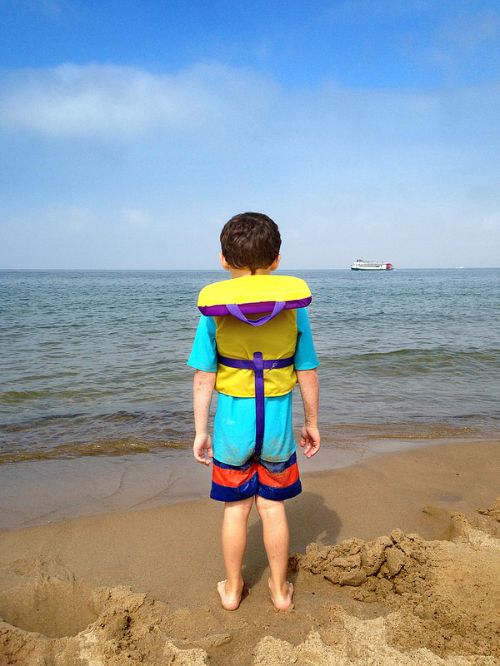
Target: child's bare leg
{"x": 234, "y": 542}
{"x": 276, "y": 542}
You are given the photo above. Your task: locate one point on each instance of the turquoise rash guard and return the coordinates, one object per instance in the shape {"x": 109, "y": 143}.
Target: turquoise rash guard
{"x": 234, "y": 423}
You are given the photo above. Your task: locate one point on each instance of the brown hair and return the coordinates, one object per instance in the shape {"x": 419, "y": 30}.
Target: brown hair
{"x": 250, "y": 240}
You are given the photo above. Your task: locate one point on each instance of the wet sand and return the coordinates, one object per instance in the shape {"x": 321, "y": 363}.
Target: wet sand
{"x": 404, "y": 568}
{"x": 37, "y": 488}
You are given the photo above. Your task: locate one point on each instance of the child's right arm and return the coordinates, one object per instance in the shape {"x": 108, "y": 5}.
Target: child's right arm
{"x": 310, "y": 440}
{"x": 203, "y": 359}
{"x": 203, "y": 386}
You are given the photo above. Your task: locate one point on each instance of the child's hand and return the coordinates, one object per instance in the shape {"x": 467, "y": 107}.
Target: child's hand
{"x": 202, "y": 449}
{"x": 310, "y": 440}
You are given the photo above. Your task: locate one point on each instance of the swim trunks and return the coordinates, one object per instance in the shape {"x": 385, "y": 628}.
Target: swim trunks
{"x": 272, "y": 480}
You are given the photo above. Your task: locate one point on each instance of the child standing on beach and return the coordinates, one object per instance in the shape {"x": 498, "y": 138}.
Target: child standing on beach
{"x": 253, "y": 343}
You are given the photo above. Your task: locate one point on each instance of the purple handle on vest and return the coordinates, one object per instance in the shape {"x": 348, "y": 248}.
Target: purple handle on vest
{"x": 236, "y": 312}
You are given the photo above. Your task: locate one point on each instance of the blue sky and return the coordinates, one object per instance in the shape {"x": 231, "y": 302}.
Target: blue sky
{"x": 130, "y": 131}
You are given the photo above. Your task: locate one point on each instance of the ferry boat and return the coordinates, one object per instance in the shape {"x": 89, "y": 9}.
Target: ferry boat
{"x": 362, "y": 265}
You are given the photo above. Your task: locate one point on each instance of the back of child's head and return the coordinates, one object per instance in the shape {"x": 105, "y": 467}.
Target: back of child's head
{"x": 250, "y": 240}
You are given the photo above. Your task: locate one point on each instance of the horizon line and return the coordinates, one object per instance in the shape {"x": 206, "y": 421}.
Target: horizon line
{"x": 217, "y": 270}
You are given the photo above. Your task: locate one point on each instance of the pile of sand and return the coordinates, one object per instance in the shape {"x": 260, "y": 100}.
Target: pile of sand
{"x": 445, "y": 596}
{"x": 66, "y": 622}
{"x": 440, "y": 601}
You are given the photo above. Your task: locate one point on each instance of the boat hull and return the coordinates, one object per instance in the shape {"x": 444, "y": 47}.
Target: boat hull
{"x": 372, "y": 268}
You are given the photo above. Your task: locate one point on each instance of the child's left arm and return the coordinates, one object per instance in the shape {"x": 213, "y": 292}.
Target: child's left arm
{"x": 203, "y": 386}
{"x": 306, "y": 363}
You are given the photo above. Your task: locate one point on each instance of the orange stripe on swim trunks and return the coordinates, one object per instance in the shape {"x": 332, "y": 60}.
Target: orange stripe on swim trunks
{"x": 278, "y": 479}
{"x": 231, "y": 477}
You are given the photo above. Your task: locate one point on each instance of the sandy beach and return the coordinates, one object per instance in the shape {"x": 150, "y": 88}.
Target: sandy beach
{"x": 396, "y": 561}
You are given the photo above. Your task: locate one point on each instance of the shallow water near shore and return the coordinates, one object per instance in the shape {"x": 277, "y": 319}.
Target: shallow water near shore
{"x": 93, "y": 362}
{"x": 39, "y": 492}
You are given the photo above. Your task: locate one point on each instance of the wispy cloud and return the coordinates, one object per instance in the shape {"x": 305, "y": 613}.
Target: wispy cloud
{"x": 52, "y": 9}
{"x": 447, "y": 42}
{"x": 70, "y": 220}
{"x": 466, "y": 31}
{"x": 136, "y": 218}
{"x": 356, "y": 11}
{"x": 104, "y": 100}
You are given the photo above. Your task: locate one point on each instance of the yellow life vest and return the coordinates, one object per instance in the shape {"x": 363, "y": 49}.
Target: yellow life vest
{"x": 256, "y": 319}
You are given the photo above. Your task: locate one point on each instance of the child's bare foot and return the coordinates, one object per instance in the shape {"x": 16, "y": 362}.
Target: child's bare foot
{"x": 230, "y": 599}
{"x": 282, "y": 599}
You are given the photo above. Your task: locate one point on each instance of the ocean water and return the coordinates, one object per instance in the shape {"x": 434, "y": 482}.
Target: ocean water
{"x": 94, "y": 362}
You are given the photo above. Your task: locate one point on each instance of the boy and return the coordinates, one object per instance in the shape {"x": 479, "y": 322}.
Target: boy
{"x": 249, "y": 467}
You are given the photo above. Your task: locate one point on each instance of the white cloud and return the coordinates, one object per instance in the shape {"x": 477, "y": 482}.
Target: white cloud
{"x": 70, "y": 220}
{"x": 466, "y": 31}
{"x": 136, "y": 218}
{"x": 357, "y": 11}
{"x": 107, "y": 100}
{"x": 491, "y": 223}
{"x": 49, "y": 8}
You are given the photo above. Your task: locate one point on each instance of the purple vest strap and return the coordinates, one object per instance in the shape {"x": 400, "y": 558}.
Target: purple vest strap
{"x": 249, "y": 364}
{"x": 258, "y": 365}
{"x": 236, "y": 312}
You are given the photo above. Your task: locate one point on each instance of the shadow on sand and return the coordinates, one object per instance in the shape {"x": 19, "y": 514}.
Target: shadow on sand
{"x": 309, "y": 520}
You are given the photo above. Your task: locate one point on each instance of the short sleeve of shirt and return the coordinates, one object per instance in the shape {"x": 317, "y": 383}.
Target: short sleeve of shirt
{"x": 204, "y": 351}
{"x": 305, "y": 354}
